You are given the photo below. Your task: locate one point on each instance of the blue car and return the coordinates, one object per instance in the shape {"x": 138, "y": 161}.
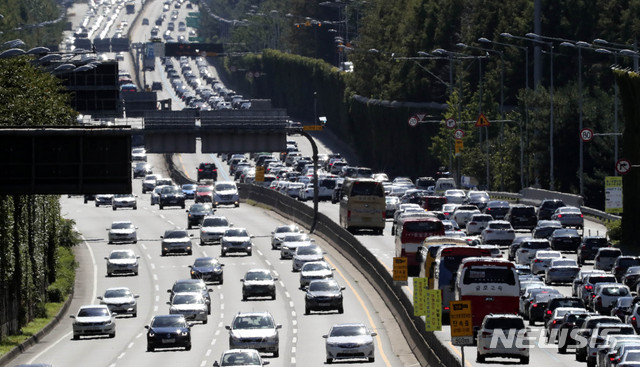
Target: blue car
{"x": 189, "y": 190}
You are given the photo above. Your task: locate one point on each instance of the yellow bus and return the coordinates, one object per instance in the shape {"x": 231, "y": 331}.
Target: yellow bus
{"x": 362, "y": 205}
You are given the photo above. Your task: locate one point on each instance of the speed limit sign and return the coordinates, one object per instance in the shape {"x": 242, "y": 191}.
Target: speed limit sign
{"x": 458, "y": 134}
{"x": 586, "y": 135}
{"x": 413, "y": 121}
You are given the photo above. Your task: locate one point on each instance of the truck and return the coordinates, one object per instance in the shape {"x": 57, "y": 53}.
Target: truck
{"x": 131, "y": 7}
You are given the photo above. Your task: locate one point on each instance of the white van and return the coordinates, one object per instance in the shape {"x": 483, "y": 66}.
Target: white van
{"x": 443, "y": 184}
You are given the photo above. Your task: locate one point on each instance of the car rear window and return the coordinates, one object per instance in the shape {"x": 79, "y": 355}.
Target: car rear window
{"x": 504, "y": 323}
{"x": 523, "y": 211}
{"x": 601, "y": 279}
{"x": 610, "y": 253}
{"x": 423, "y": 226}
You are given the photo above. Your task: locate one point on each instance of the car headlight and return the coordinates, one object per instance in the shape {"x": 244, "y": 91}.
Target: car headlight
{"x": 310, "y": 296}
{"x": 285, "y": 247}
{"x": 151, "y": 334}
{"x": 217, "y": 270}
{"x": 173, "y": 310}
{"x": 184, "y": 332}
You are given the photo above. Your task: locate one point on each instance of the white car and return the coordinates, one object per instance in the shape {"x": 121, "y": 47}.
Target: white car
{"x": 314, "y": 270}
{"x": 347, "y": 341}
{"x": 305, "y": 192}
{"x": 498, "y": 232}
{"x": 606, "y": 257}
{"x": 191, "y": 305}
{"x": 293, "y": 190}
{"x": 120, "y": 300}
{"x": 305, "y": 254}
{"x": 528, "y": 248}
{"x": 606, "y": 295}
{"x": 226, "y": 193}
{"x": 490, "y": 346}
{"x": 291, "y": 242}
{"x": 477, "y": 223}
{"x": 463, "y": 214}
{"x": 542, "y": 260}
{"x": 280, "y": 232}
{"x": 240, "y": 357}
{"x": 139, "y": 154}
{"x": 103, "y": 199}
{"x": 93, "y": 320}
{"x": 448, "y": 209}
{"x": 255, "y": 330}
{"x": 122, "y": 231}
{"x": 124, "y": 201}
{"x": 455, "y": 196}
{"x": 212, "y": 228}
{"x": 122, "y": 261}
{"x": 569, "y": 216}
{"x": 149, "y": 183}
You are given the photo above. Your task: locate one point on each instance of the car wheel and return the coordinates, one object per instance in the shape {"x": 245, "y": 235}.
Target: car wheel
{"x": 76, "y": 337}
{"x": 188, "y": 347}
{"x": 189, "y": 252}
{"x": 204, "y": 322}
{"x": 479, "y": 358}
{"x": 113, "y": 207}
{"x": 150, "y": 348}
{"x": 372, "y": 359}
{"x": 201, "y": 243}
{"x": 96, "y": 205}
{"x": 307, "y": 310}
{"x": 244, "y": 297}
{"x": 108, "y": 274}
{"x": 223, "y": 254}
{"x": 524, "y": 360}
{"x": 562, "y": 350}
{"x": 160, "y": 205}
{"x": 163, "y": 253}
{"x": 188, "y": 225}
{"x": 273, "y": 296}
{"x": 85, "y": 200}
{"x": 135, "y": 314}
{"x": 112, "y": 335}
{"x": 249, "y": 253}
{"x": 237, "y": 205}
{"x": 221, "y": 280}
{"x": 135, "y": 208}
{"x": 134, "y": 242}
{"x": 340, "y": 309}
{"x": 109, "y": 243}
{"x": 136, "y": 273}
{"x": 531, "y": 322}
{"x": 329, "y": 360}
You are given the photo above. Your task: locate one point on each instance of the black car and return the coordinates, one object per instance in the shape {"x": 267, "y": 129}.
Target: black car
{"x": 539, "y": 305}
{"x": 207, "y": 171}
{"x": 565, "y": 240}
{"x": 569, "y": 322}
{"x": 208, "y": 269}
{"x": 631, "y": 277}
{"x": 497, "y": 209}
{"x": 197, "y": 212}
{"x": 562, "y": 302}
{"x": 548, "y": 207}
{"x": 191, "y": 285}
{"x": 622, "y": 264}
{"x": 168, "y": 331}
{"x": 545, "y": 228}
{"x": 589, "y": 248}
{"x": 258, "y": 283}
{"x": 171, "y": 196}
{"x": 522, "y": 217}
{"x": 323, "y": 294}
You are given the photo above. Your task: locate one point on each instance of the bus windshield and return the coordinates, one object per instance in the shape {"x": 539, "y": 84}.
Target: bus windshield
{"x": 367, "y": 189}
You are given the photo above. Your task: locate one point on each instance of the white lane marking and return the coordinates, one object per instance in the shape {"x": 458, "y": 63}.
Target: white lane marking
{"x": 157, "y": 288}
{"x": 153, "y": 266}
{"x": 259, "y": 252}
{"x": 222, "y": 306}
{"x": 157, "y": 298}
{"x": 276, "y": 274}
{"x": 139, "y": 335}
{"x": 295, "y": 331}
{"x": 220, "y": 324}
{"x": 204, "y": 254}
{"x": 155, "y": 277}
{"x": 291, "y": 304}
{"x": 287, "y": 294}
{"x": 208, "y": 353}
{"x": 148, "y": 256}
{"x": 203, "y": 363}
{"x": 293, "y": 360}
{"x": 293, "y": 314}
{"x": 213, "y": 341}
{"x": 170, "y": 222}
{"x": 155, "y": 308}
{"x": 130, "y": 345}
{"x": 143, "y": 246}
{"x": 294, "y": 340}
{"x": 217, "y": 333}
{"x": 282, "y": 284}
{"x": 294, "y": 322}
{"x": 121, "y": 355}
{"x": 221, "y": 296}
{"x": 268, "y": 262}
{"x": 162, "y": 216}
{"x": 293, "y": 350}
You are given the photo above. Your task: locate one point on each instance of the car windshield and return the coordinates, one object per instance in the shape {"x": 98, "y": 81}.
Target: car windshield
{"x": 150, "y": 178}
{"x": 295, "y": 238}
{"x": 348, "y": 330}
{"x": 225, "y": 187}
{"x": 323, "y": 286}
{"x": 187, "y": 299}
{"x": 122, "y": 196}
{"x": 236, "y": 232}
{"x": 121, "y": 255}
{"x": 504, "y": 323}
{"x": 170, "y": 190}
{"x": 168, "y": 322}
{"x": 186, "y": 287}
{"x": 286, "y": 229}
{"x": 609, "y": 253}
{"x": 215, "y": 222}
{"x": 116, "y": 293}
{"x": 176, "y": 234}
{"x": 258, "y": 275}
{"x": 535, "y": 244}
{"x": 309, "y": 250}
{"x": 563, "y": 262}
{"x": 240, "y": 359}
{"x": 315, "y": 267}
{"x": 121, "y": 225}
{"x": 253, "y": 322}
{"x": 204, "y": 189}
{"x": 189, "y": 187}
{"x": 93, "y": 312}
{"x": 200, "y": 208}
{"x": 205, "y": 262}
{"x": 500, "y": 225}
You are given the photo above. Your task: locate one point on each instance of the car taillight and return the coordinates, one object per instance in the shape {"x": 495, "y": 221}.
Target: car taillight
{"x": 599, "y": 301}
{"x": 525, "y": 251}
{"x": 486, "y": 333}
{"x": 559, "y": 215}
{"x": 534, "y": 305}
{"x": 555, "y": 322}
{"x": 593, "y": 296}
{"x": 199, "y": 169}
{"x": 488, "y": 231}
{"x": 446, "y": 308}
{"x": 473, "y": 223}
{"x": 633, "y": 319}
{"x": 537, "y": 261}
{"x": 588, "y": 287}
{"x": 581, "y": 216}
{"x": 549, "y": 312}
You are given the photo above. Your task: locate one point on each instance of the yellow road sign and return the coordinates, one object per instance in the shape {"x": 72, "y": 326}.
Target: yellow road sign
{"x": 433, "y": 318}
{"x": 459, "y": 145}
{"x": 259, "y": 174}
{"x": 400, "y": 269}
{"x": 482, "y": 121}
{"x": 461, "y": 323}
{"x": 312, "y": 128}
{"x": 420, "y": 299}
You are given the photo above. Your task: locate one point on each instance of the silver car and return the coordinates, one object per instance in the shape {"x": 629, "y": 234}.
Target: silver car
{"x": 236, "y": 240}
{"x": 561, "y": 271}
{"x": 569, "y": 216}
{"x": 280, "y": 232}
{"x": 124, "y": 201}
{"x": 176, "y": 240}
{"x": 305, "y": 254}
{"x": 123, "y": 231}
{"x": 315, "y": 270}
{"x": 120, "y": 300}
{"x": 212, "y": 228}
{"x": 191, "y": 305}
{"x": 122, "y": 261}
{"x": 226, "y": 193}
{"x": 93, "y": 320}
{"x": 255, "y": 330}
{"x": 291, "y": 242}
{"x": 258, "y": 283}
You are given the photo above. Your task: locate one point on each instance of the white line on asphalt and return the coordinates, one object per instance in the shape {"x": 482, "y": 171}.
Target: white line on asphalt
{"x": 268, "y": 262}
{"x": 121, "y": 355}
{"x": 170, "y": 222}
{"x": 139, "y": 335}
{"x": 155, "y": 308}
{"x": 293, "y": 314}
{"x": 208, "y": 353}
{"x": 222, "y": 306}
{"x": 217, "y": 333}
{"x": 203, "y": 363}
{"x": 294, "y": 322}
{"x": 294, "y": 340}
{"x": 155, "y": 277}
{"x": 287, "y": 294}
{"x": 295, "y": 331}
{"x": 148, "y": 256}
{"x": 282, "y": 283}
{"x": 259, "y": 252}
{"x": 291, "y": 304}
{"x": 276, "y": 274}
{"x": 157, "y": 288}
{"x": 213, "y": 342}
{"x": 293, "y": 360}
{"x": 130, "y": 345}
{"x": 143, "y": 246}
{"x": 157, "y": 298}
{"x": 221, "y": 296}
{"x": 153, "y": 266}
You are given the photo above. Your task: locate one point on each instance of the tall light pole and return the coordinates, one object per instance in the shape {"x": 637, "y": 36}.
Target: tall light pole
{"x": 532, "y": 37}
{"x": 579, "y": 45}
{"x": 526, "y": 78}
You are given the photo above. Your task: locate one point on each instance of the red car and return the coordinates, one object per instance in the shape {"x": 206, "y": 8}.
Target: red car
{"x": 204, "y": 194}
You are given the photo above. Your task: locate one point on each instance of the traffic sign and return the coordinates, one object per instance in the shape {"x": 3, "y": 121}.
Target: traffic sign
{"x": 259, "y": 174}
{"x": 312, "y": 128}
{"x": 451, "y": 123}
{"x": 413, "y": 121}
{"x": 433, "y": 318}
{"x": 586, "y": 135}
{"x": 421, "y": 116}
{"x": 623, "y": 166}
{"x": 461, "y": 322}
{"x": 459, "y": 145}
{"x": 420, "y": 298}
{"x": 482, "y": 121}
{"x": 458, "y": 134}
{"x": 400, "y": 269}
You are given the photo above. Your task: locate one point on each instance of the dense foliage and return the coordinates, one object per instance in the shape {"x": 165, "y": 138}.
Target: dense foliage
{"x": 31, "y": 227}
{"x": 395, "y": 71}
{"x": 36, "y": 22}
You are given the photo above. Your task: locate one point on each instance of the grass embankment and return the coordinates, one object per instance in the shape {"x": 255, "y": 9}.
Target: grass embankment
{"x": 59, "y": 291}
